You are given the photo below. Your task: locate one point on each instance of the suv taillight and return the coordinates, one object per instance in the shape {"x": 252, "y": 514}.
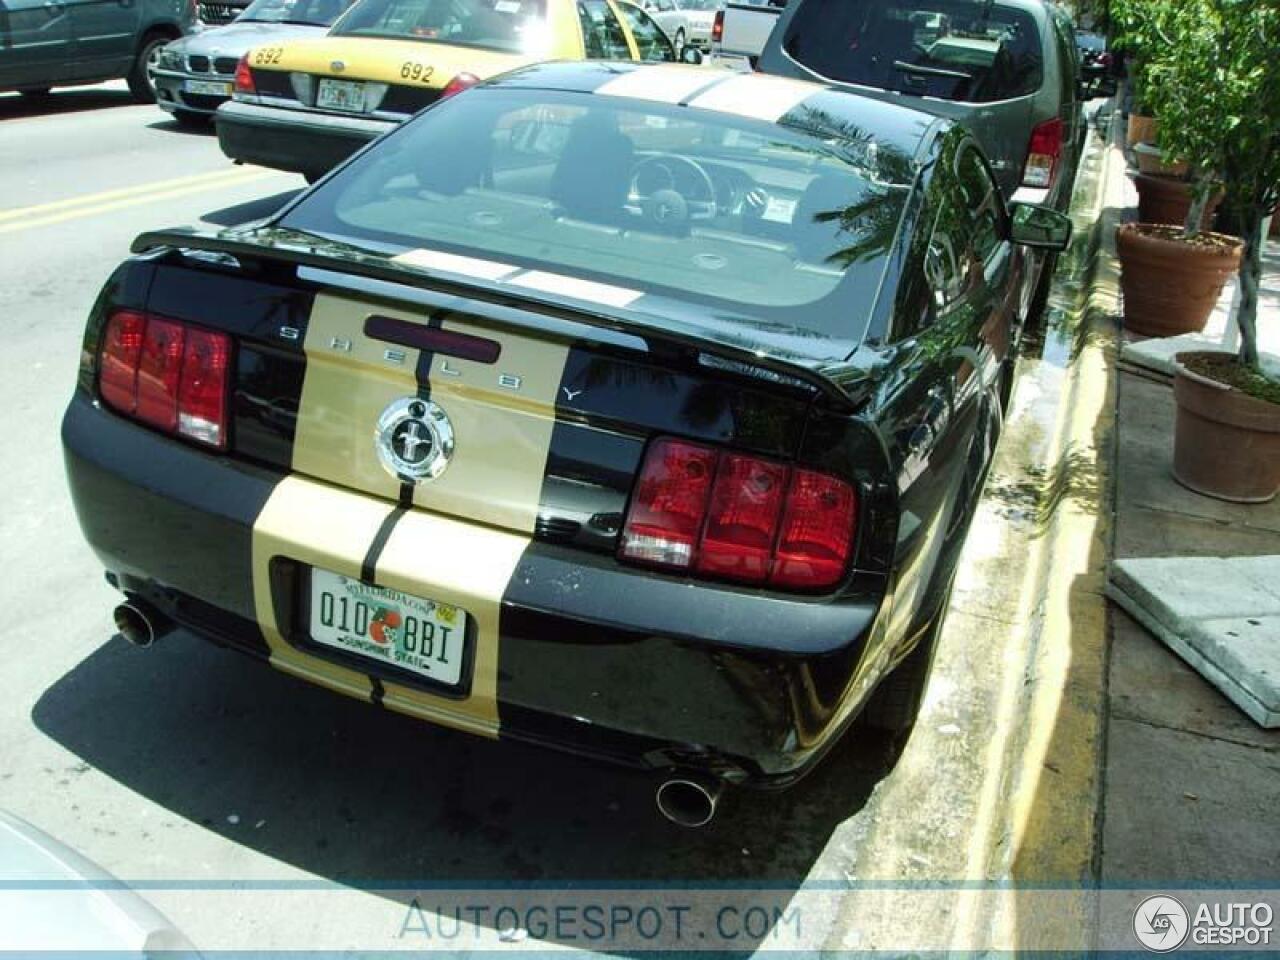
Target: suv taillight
{"x": 1043, "y": 153}
{"x": 729, "y": 516}
{"x": 244, "y": 77}
{"x": 717, "y": 27}
{"x": 462, "y": 81}
{"x": 166, "y": 374}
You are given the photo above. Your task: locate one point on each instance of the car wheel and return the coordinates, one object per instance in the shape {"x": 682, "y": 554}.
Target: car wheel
{"x": 680, "y": 42}
{"x": 139, "y": 78}
{"x": 894, "y": 706}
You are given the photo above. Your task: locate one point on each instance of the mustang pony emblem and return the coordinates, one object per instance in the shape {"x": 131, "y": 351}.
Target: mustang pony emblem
{"x": 414, "y": 440}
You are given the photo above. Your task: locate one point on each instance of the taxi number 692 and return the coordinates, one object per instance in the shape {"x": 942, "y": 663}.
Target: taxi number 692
{"x": 410, "y": 70}
{"x": 268, "y": 55}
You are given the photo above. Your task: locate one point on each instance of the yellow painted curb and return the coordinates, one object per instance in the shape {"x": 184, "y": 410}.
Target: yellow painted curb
{"x": 999, "y": 786}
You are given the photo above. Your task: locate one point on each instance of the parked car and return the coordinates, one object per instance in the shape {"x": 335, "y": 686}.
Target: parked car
{"x": 218, "y": 13}
{"x": 51, "y": 43}
{"x": 193, "y": 76}
{"x": 1098, "y": 66}
{"x": 699, "y": 17}
{"x": 305, "y": 105}
{"x": 638, "y": 411}
{"x": 1007, "y": 69}
{"x": 673, "y": 20}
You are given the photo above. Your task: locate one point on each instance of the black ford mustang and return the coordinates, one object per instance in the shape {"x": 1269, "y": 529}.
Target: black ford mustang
{"x": 633, "y": 410}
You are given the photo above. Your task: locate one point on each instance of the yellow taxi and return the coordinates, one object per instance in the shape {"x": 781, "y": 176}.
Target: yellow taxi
{"x": 305, "y": 105}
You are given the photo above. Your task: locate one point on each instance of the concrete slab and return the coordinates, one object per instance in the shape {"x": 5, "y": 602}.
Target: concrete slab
{"x": 1151, "y": 685}
{"x": 1188, "y": 808}
{"x": 1228, "y": 635}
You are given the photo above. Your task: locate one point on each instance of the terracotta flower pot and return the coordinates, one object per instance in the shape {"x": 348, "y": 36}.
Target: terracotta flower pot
{"x": 1142, "y": 129}
{"x": 1171, "y": 285}
{"x": 1226, "y": 444}
{"x": 1167, "y": 200}
{"x": 1150, "y": 160}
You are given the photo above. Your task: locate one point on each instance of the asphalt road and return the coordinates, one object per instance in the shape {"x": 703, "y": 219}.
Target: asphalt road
{"x": 189, "y": 763}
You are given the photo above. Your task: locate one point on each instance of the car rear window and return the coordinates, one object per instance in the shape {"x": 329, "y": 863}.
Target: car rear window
{"x": 968, "y": 50}
{"x": 517, "y": 26}
{"x": 660, "y": 208}
{"x": 320, "y": 13}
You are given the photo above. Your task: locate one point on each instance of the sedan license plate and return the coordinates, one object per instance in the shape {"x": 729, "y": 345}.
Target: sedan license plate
{"x": 345, "y": 95}
{"x": 211, "y": 88}
{"x": 412, "y": 633}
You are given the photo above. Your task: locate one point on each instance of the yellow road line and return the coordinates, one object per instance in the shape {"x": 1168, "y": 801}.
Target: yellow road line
{"x": 104, "y": 196}
{"x": 133, "y": 201}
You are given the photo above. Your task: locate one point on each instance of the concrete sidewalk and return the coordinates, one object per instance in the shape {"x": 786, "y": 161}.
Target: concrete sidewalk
{"x": 1192, "y": 785}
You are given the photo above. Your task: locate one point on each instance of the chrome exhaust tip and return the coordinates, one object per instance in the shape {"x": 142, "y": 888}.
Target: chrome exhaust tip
{"x": 689, "y": 800}
{"x": 139, "y": 622}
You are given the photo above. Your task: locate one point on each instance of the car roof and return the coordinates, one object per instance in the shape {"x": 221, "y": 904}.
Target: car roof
{"x": 779, "y": 100}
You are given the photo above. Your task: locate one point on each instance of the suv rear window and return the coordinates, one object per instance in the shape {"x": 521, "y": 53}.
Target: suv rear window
{"x": 968, "y": 50}
{"x": 512, "y": 25}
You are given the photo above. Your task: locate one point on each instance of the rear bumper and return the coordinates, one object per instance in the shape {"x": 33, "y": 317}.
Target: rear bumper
{"x": 298, "y": 141}
{"x": 588, "y": 660}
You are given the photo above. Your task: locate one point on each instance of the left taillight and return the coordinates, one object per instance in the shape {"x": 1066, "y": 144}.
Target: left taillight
{"x": 244, "y": 77}
{"x": 166, "y": 374}
{"x": 1043, "y": 153}
{"x": 725, "y": 515}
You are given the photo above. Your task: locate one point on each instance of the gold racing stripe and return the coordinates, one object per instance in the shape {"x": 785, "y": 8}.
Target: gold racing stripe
{"x": 322, "y": 526}
{"x": 348, "y": 384}
{"x": 756, "y": 95}
{"x": 463, "y": 542}
{"x": 468, "y": 566}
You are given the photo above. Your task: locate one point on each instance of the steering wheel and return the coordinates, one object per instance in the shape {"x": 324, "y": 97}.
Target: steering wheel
{"x": 671, "y": 190}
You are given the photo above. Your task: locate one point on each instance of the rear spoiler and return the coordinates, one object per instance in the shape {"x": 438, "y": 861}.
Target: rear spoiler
{"x": 822, "y": 377}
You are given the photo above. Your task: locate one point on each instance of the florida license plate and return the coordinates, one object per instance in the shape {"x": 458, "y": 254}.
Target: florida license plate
{"x": 345, "y": 95}
{"x": 394, "y": 628}
{"x": 208, "y": 87}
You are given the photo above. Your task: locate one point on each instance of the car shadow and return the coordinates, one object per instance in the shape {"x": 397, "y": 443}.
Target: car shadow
{"x": 196, "y": 128}
{"x": 373, "y": 799}
{"x": 250, "y": 210}
{"x": 73, "y": 100}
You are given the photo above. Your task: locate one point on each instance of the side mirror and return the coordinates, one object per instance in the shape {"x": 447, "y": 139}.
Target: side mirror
{"x": 1039, "y": 227}
{"x": 691, "y": 55}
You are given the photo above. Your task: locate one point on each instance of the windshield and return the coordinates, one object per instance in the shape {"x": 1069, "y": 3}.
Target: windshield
{"x": 969, "y": 50}
{"x": 320, "y": 13}
{"x": 517, "y": 26}
{"x": 662, "y": 209}
{"x": 707, "y": 5}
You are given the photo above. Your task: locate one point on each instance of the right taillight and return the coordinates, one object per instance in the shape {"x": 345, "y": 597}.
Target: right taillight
{"x": 167, "y": 374}
{"x": 1043, "y": 152}
{"x": 730, "y": 516}
{"x": 717, "y": 27}
{"x": 244, "y": 77}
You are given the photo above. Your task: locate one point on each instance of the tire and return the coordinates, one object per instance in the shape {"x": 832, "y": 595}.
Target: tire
{"x": 894, "y": 706}
{"x": 679, "y": 42}
{"x": 1040, "y": 297}
{"x": 139, "y": 82}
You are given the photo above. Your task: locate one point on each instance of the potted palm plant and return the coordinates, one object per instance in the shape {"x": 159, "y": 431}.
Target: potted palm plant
{"x": 1217, "y": 86}
{"x": 1172, "y": 269}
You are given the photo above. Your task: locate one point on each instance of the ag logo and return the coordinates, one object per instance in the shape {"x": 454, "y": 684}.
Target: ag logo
{"x": 1161, "y": 924}
{"x": 414, "y": 440}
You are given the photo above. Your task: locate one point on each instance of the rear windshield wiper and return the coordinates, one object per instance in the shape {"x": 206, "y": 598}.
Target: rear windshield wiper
{"x": 930, "y": 71}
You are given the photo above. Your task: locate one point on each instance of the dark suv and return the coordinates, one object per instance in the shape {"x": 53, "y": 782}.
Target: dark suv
{"x": 1006, "y": 69}
{"x": 54, "y": 43}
